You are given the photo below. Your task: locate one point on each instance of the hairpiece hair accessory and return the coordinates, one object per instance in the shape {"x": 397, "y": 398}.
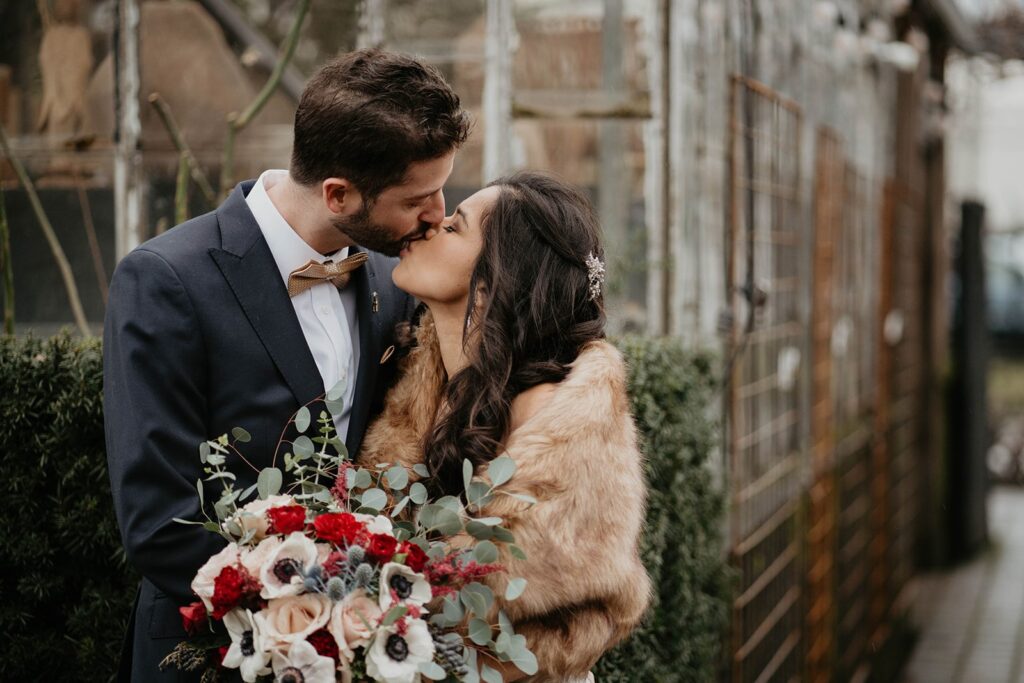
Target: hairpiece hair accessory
{"x": 595, "y": 274}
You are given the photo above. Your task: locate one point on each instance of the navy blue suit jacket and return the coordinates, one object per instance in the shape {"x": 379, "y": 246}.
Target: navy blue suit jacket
{"x": 200, "y": 336}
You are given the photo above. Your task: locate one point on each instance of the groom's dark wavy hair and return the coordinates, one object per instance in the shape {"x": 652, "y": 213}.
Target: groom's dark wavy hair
{"x": 366, "y": 115}
{"x": 533, "y": 316}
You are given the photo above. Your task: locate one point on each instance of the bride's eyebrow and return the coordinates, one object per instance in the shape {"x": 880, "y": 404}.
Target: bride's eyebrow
{"x": 462, "y": 214}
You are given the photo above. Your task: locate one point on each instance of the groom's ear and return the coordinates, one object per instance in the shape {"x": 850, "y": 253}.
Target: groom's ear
{"x": 340, "y": 196}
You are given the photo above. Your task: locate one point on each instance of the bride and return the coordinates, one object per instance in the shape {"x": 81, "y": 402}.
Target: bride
{"x": 511, "y": 359}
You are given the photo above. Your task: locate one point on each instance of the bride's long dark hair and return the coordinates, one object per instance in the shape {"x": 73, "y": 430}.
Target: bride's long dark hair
{"x": 531, "y": 316}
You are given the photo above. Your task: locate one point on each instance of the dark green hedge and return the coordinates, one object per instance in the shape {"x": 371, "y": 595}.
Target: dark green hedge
{"x": 66, "y": 590}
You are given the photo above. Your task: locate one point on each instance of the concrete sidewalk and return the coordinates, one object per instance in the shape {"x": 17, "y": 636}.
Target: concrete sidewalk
{"x": 972, "y": 618}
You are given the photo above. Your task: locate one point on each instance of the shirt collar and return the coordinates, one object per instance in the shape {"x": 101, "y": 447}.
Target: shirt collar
{"x": 288, "y": 249}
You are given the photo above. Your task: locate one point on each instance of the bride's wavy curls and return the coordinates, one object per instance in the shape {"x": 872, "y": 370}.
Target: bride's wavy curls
{"x": 532, "y": 315}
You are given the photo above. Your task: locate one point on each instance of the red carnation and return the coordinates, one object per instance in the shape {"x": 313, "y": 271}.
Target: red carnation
{"x": 227, "y": 591}
{"x": 338, "y": 527}
{"x": 381, "y": 548}
{"x": 324, "y": 644}
{"x": 287, "y": 519}
{"x": 193, "y": 617}
{"x": 415, "y": 558}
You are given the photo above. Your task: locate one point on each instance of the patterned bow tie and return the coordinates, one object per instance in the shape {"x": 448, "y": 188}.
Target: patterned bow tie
{"x": 313, "y": 273}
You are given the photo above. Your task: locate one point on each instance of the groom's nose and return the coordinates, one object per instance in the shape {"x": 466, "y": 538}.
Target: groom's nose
{"x": 433, "y": 212}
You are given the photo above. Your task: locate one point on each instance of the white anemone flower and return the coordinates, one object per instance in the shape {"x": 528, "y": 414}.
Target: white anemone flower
{"x": 409, "y": 586}
{"x": 394, "y": 657}
{"x": 246, "y": 653}
{"x": 283, "y": 571}
{"x": 302, "y": 664}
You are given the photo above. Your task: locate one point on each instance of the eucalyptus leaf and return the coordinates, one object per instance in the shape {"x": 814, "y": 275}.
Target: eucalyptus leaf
{"x": 204, "y": 452}
{"x": 199, "y": 490}
{"x": 452, "y": 610}
{"x": 215, "y": 459}
{"x": 490, "y": 675}
{"x": 336, "y": 407}
{"x": 485, "y": 552}
{"x": 500, "y": 470}
{"x": 421, "y": 469}
{"x": 397, "y": 510}
{"x": 478, "y": 494}
{"x": 446, "y": 523}
{"x": 505, "y": 623}
{"x": 515, "y": 588}
{"x": 503, "y": 535}
{"x": 374, "y": 498}
{"x": 211, "y": 526}
{"x": 364, "y": 479}
{"x": 474, "y": 602}
{"x": 524, "y": 660}
{"x": 479, "y": 631}
{"x": 502, "y": 642}
{"x": 473, "y": 675}
{"x": 397, "y": 478}
{"x": 338, "y": 390}
{"x": 485, "y": 594}
{"x": 221, "y": 475}
{"x": 523, "y": 497}
{"x": 517, "y": 552}
{"x": 302, "y": 419}
{"x": 394, "y": 614}
{"x": 247, "y": 492}
{"x": 268, "y": 483}
{"x": 418, "y": 493}
{"x": 488, "y": 521}
{"x": 450, "y": 503}
{"x": 241, "y": 434}
{"x": 433, "y": 671}
{"x": 467, "y": 473}
{"x": 479, "y": 531}
{"x": 303, "y": 447}
{"x": 179, "y": 520}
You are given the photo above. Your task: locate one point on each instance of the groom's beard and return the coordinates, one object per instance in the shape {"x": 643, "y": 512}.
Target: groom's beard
{"x": 361, "y": 229}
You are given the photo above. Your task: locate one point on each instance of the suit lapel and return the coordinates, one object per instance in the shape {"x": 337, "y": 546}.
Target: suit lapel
{"x": 249, "y": 268}
{"x": 367, "y": 300}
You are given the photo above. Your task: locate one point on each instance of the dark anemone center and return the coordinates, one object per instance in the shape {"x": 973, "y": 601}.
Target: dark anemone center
{"x": 246, "y": 645}
{"x": 397, "y": 648}
{"x": 285, "y": 569}
{"x": 402, "y": 586}
{"x": 291, "y": 675}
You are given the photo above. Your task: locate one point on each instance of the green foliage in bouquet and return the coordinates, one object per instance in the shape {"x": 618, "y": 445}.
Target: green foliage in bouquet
{"x": 67, "y": 590}
{"x": 672, "y": 391}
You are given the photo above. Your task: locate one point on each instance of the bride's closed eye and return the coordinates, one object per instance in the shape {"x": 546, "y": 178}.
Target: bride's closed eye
{"x": 449, "y": 228}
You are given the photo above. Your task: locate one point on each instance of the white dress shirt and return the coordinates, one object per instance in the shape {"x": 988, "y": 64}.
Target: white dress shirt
{"x": 327, "y": 316}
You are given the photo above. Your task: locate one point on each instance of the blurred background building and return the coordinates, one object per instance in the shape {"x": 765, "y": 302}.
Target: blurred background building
{"x": 784, "y": 182}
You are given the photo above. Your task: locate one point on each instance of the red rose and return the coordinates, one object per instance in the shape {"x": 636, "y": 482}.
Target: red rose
{"x": 338, "y": 527}
{"x": 381, "y": 548}
{"x": 227, "y": 591}
{"x": 324, "y": 644}
{"x": 193, "y": 617}
{"x": 415, "y": 558}
{"x": 286, "y": 519}
{"x": 222, "y": 651}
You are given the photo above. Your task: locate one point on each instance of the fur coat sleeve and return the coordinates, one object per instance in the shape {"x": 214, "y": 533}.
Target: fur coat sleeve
{"x": 578, "y": 456}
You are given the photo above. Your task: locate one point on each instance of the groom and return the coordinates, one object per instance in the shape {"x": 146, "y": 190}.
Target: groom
{"x": 238, "y": 317}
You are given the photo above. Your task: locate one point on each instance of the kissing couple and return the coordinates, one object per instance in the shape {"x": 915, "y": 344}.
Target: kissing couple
{"x": 467, "y": 335}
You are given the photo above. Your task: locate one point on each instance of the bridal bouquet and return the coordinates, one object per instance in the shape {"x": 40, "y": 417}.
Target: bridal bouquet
{"x": 350, "y": 574}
